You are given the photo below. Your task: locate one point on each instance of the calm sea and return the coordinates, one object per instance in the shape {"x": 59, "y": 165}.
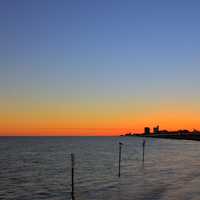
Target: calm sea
{"x": 39, "y": 168}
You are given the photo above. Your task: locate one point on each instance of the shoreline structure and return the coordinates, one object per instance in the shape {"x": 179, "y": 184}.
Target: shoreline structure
{"x": 183, "y": 134}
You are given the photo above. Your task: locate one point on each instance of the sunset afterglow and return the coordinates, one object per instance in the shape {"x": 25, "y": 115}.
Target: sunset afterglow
{"x": 98, "y": 68}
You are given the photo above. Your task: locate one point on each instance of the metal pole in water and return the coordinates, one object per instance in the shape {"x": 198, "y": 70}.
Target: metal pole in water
{"x": 72, "y": 176}
{"x": 120, "y": 151}
{"x": 143, "y": 150}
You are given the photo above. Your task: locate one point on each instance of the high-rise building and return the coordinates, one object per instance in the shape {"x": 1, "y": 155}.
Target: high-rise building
{"x": 156, "y": 130}
{"x": 146, "y": 130}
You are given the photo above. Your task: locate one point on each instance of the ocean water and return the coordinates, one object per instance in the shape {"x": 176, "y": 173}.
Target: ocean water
{"x": 39, "y": 168}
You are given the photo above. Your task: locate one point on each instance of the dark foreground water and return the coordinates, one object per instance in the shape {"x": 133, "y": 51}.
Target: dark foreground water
{"x": 39, "y": 168}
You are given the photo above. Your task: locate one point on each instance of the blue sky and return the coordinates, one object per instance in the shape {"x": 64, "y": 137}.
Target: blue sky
{"x": 100, "y": 50}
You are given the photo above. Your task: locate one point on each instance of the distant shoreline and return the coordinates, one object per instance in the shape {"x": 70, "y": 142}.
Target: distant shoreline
{"x": 181, "y": 136}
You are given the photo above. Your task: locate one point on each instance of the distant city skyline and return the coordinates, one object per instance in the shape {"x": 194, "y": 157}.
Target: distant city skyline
{"x": 98, "y": 67}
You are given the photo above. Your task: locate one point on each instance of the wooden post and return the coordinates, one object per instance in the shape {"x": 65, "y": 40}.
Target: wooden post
{"x": 143, "y": 150}
{"x": 120, "y": 151}
{"x": 72, "y": 176}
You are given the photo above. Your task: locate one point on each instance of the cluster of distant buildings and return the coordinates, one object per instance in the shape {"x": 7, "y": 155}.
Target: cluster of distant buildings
{"x": 156, "y": 132}
{"x": 147, "y": 130}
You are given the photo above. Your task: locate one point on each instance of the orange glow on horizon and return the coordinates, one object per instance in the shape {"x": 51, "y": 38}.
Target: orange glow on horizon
{"x": 105, "y": 119}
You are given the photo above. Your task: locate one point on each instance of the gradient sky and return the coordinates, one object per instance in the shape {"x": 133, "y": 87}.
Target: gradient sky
{"x": 71, "y": 67}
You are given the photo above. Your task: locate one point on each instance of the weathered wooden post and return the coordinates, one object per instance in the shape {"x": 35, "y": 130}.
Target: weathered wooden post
{"x": 143, "y": 149}
{"x": 72, "y": 176}
{"x": 120, "y": 151}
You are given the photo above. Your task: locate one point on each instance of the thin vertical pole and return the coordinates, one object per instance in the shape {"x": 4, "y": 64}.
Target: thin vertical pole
{"x": 143, "y": 150}
{"x": 72, "y": 176}
{"x": 120, "y": 152}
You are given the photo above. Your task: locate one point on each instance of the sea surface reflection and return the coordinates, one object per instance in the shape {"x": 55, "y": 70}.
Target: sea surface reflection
{"x": 39, "y": 168}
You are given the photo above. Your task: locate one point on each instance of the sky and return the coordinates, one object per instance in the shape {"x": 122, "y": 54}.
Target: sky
{"x": 72, "y": 67}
